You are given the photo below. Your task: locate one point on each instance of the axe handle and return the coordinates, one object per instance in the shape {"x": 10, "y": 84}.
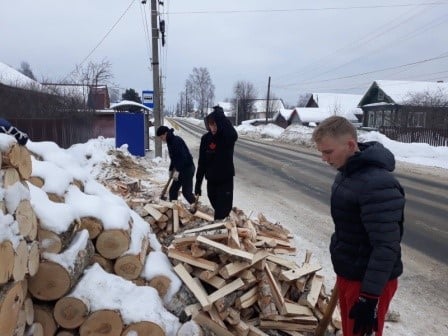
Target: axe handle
{"x": 326, "y": 319}
{"x": 166, "y": 185}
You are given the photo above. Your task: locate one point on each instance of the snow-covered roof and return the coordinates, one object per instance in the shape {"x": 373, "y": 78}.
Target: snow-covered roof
{"x": 285, "y": 113}
{"x": 400, "y": 91}
{"x": 275, "y": 105}
{"x": 11, "y": 77}
{"x": 312, "y": 114}
{"x": 124, "y": 103}
{"x": 343, "y": 104}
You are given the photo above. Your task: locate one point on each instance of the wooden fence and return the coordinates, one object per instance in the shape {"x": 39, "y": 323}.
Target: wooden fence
{"x": 432, "y": 136}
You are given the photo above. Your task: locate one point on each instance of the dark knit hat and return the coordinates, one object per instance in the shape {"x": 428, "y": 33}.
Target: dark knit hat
{"x": 162, "y": 130}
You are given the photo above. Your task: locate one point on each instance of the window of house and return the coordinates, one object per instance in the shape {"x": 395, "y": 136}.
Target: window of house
{"x": 416, "y": 119}
{"x": 378, "y": 119}
{"x": 387, "y": 118}
{"x": 371, "y": 119}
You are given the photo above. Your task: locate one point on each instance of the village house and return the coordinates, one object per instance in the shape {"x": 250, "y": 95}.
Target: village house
{"x": 408, "y": 111}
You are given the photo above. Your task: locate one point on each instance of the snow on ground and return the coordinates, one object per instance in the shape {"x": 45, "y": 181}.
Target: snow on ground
{"x": 416, "y": 153}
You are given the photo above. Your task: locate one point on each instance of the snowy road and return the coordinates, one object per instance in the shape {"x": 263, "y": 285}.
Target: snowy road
{"x": 293, "y": 187}
{"x": 300, "y": 173}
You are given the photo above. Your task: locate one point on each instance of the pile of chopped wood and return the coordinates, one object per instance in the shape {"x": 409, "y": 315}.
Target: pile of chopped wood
{"x": 243, "y": 282}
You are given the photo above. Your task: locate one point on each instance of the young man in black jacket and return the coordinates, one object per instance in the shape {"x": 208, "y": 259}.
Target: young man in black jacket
{"x": 367, "y": 205}
{"x": 181, "y": 167}
{"x": 216, "y": 162}
{"x": 7, "y": 128}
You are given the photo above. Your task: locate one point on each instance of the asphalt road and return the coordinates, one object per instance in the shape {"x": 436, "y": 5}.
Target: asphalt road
{"x": 297, "y": 172}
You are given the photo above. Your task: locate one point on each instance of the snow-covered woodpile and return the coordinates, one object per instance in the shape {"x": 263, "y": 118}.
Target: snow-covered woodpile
{"x": 78, "y": 257}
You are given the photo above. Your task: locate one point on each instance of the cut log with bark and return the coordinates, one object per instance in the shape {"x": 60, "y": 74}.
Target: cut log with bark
{"x": 113, "y": 243}
{"x": 161, "y": 284}
{"x": 102, "y": 322}
{"x": 144, "y": 328}
{"x": 20, "y": 261}
{"x": 129, "y": 266}
{"x": 6, "y": 261}
{"x": 52, "y": 280}
{"x": 44, "y": 315}
{"x": 93, "y": 225}
{"x": 57, "y": 242}
{"x": 20, "y": 158}
{"x": 70, "y": 312}
{"x": 11, "y": 302}
{"x": 10, "y": 177}
{"x": 106, "y": 264}
{"x": 25, "y": 217}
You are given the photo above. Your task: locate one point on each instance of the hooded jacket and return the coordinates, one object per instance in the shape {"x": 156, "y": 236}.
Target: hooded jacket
{"x": 367, "y": 205}
{"x": 180, "y": 155}
{"x": 216, "y": 151}
{"x": 7, "y": 128}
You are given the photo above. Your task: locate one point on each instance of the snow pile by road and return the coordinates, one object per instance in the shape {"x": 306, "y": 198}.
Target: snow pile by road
{"x": 417, "y": 153}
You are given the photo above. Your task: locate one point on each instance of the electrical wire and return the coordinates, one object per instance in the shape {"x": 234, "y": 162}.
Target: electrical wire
{"x": 103, "y": 38}
{"x": 306, "y": 9}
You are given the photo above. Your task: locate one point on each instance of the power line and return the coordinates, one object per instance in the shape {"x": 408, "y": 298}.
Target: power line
{"x": 306, "y": 9}
{"x": 370, "y": 72}
{"x": 104, "y": 37}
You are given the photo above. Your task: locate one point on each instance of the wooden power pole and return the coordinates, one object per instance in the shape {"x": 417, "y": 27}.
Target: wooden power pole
{"x": 267, "y": 100}
{"x": 155, "y": 75}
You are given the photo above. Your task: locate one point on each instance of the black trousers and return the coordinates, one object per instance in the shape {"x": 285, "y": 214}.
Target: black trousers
{"x": 220, "y": 195}
{"x": 185, "y": 182}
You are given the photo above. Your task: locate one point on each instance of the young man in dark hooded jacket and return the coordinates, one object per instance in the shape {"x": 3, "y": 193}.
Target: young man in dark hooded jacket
{"x": 7, "y": 128}
{"x": 216, "y": 162}
{"x": 181, "y": 167}
{"x": 367, "y": 205}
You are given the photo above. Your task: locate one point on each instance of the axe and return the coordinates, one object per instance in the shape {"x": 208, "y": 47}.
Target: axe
{"x": 165, "y": 188}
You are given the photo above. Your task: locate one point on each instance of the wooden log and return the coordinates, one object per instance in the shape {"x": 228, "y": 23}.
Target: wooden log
{"x": 224, "y": 248}
{"x": 55, "y": 197}
{"x": 102, "y": 322}
{"x": 52, "y": 280}
{"x": 265, "y": 300}
{"x": 310, "y": 298}
{"x": 160, "y": 283}
{"x": 175, "y": 220}
{"x": 56, "y": 242}
{"x": 197, "y": 262}
{"x": 35, "y": 329}
{"x": 33, "y": 258}
{"x": 25, "y": 217}
{"x": 204, "y": 321}
{"x": 66, "y": 333}
{"x": 113, "y": 243}
{"x": 198, "y": 292}
{"x": 203, "y": 215}
{"x": 18, "y": 157}
{"x": 19, "y": 330}
{"x": 93, "y": 225}
{"x": 6, "y": 261}
{"x": 144, "y": 328}
{"x": 10, "y": 177}
{"x": 44, "y": 315}
{"x": 37, "y": 181}
{"x": 20, "y": 261}
{"x": 223, "y": 291}
{"x": 156, "y": 214}
{"x": 70, "y": 312}
{"x": 130, "y": 266}
{"x": 29, "y": 311}
{"x": 296, "y": 273}
{"x": 106, "y": 264}
{"x": 11, "y": 301}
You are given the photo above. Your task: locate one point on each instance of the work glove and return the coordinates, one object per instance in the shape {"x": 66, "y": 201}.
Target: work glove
{"x": 364, "y": 312}
{"x": 175, "y": 175}
{"x": 197, "y": 189}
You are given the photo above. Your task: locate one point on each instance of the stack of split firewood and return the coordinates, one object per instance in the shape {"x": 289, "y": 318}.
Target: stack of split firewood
{"x": 19, "y": 251}
{"x": 244, "y": 281}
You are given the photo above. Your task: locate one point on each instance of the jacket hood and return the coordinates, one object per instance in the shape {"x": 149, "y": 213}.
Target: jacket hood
{"x": 370, "y": 154}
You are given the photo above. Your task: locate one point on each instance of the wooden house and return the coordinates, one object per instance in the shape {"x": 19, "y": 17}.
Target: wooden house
{"x": 408, "y": 111}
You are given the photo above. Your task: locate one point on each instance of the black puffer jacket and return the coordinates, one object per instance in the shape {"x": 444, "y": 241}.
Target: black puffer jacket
{"x": 216, "y": 151}
{"x": 180, "y": 155}
{"x": 367, "y": 205}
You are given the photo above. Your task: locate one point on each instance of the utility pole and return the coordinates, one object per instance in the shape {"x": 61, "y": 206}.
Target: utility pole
{"x": 155, "y": 74}
{"x": 267, "y": 100}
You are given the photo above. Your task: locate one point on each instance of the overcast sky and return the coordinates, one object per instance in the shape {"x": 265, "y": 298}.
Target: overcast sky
{"x": 303, "y": 45}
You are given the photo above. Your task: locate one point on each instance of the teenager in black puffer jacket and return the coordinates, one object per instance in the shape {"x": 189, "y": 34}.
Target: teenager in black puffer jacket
{"x": 181, "y": 167}
{"x": 367, "y": 206}
{"x": 216, "y": 162}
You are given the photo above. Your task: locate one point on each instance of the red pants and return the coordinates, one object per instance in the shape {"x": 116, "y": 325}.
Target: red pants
{"x": 348, "y": 295}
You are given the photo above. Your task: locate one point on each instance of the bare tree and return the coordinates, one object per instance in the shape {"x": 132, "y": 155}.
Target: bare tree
{"x": 25, "y": 69}
{"x": 94, "y": 73}
{"x": 202, "y": 88}
{"x": 244, "y": 96}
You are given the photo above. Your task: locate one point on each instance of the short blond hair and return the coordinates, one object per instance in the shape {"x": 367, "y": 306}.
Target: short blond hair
{"x": 334, "y": 127}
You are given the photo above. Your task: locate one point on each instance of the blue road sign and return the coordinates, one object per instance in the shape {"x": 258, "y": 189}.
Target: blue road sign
{"x": 148, "y": 98}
